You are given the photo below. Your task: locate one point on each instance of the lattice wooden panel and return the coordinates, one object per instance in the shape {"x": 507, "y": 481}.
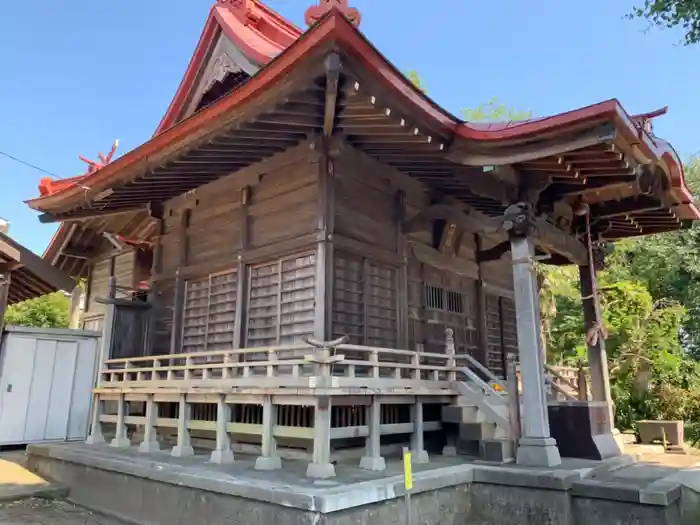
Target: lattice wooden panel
{"x": 494, "y": 339}
{"x": 364, "y": 301}
{"x": 348, "y": 298}
{"x": 510, "y": 329}
{"x": 281, "y": 301}
{"x": 381, "y": 305}
{"x": 210, "y": 312}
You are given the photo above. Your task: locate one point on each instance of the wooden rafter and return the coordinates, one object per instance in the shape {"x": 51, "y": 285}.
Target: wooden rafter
{"x": 333, "y": 66}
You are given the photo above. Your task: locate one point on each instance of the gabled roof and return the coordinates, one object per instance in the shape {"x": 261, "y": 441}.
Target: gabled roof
{"x": 583, "y": 149}
{"x": 258, "y": 31}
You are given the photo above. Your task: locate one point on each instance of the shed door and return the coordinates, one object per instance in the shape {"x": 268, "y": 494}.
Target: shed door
{"x": 16, "y": 370}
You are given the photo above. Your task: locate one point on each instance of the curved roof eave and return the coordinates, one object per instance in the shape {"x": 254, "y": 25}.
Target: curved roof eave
{"x": 334, "y": 27}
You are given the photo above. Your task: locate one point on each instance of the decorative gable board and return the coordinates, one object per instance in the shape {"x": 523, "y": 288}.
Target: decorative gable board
{"x": 225, "y": 58}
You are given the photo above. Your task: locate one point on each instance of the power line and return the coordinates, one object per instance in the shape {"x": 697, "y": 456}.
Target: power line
{"x": 29, "y": 164}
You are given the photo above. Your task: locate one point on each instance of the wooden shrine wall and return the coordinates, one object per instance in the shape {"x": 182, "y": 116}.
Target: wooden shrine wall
{"x": 384, "y": 295}
{"x": 124, "y": 267}
{"x": 237, "y": 259}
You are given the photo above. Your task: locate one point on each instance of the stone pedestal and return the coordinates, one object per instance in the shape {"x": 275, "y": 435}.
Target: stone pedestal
{"x": 582, "y": 429}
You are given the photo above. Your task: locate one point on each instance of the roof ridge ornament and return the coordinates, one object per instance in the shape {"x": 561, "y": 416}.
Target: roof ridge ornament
{"x": 93, "y": 166}
{"x": 315, "y": 13}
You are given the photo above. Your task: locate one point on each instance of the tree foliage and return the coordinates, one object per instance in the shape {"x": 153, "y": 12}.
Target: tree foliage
{"x": 672, "y": 13}
{"x": 650, "y": 298}
{"x": 48, "y": 311}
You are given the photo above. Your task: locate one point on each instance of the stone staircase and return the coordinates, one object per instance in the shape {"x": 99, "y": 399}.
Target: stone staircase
{"x": 478, "y": 423}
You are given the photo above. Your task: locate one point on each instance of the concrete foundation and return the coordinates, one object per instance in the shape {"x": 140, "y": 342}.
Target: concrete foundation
{"x": 159, "y": 489}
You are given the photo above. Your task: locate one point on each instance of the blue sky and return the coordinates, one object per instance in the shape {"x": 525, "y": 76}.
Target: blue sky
{"x": 76, "y": 74}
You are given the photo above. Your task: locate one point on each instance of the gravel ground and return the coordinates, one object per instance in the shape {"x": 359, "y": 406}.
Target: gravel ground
{"x": 50, "y": 512}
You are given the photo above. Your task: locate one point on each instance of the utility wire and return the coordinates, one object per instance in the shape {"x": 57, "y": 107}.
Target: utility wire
{"x": 29, "y": 164}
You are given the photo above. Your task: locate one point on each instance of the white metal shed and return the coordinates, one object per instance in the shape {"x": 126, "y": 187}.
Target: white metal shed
{"x": 46, "y": 378}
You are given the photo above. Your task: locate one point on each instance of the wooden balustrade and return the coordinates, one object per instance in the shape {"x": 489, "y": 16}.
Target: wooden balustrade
{"x": 350, "y": 366}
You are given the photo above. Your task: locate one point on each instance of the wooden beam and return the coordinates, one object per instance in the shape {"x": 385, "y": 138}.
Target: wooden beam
{"x": 553, "y": 240}
{"x": 623, "y": 207}
{"x": 333, "y": 66}
{"x": 511, "y": 154}
{"x": 469, "y": 219}
{"x": 492, "y": 254}
{"x": 42, "y": 269}
{"x": 87, "y": 213}
{"x": 547, "y": 237}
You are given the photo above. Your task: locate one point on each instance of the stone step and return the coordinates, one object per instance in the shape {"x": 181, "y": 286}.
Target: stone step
{"x": 459, "y": 414}
{"x": 498, "y": 450}
{"x": 477, "y": 431}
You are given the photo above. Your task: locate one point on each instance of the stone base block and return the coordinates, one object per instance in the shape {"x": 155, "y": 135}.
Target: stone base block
{"x": 148, "y": 447}
{"x": 268, "y": 463}
{"x": 373, "y": 463}
{"x": 182, "y": 452}
{"x": 221, "y": 457}
{"x": 320, "y": 470}
{"x": 420, "y": 456}
{"x": 538, "y": 452}
{"x": 122, "y": 442}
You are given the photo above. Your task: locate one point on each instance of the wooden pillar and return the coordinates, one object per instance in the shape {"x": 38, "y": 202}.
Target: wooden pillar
{"x": 372, "y": 459}
{"x": 222, "y": 453}
{"x": 536, "y": 446}
{"x": 321, "y": 466}
{"x": 95, "y": 437}
{"x": 107, "y": 329}
{"x": 183, "y": 447}
{"x": 179, "y": 302}
{"x": 120, "y": 439}
{"x": 325, "y": 224}
{"x": 74, "y": 315}
{"x": 418, "y": 452}
{"x": 5, "y": 281}
{"x": 481, "y": 311}
{"x": 150, "y": 435}
{"x": 399, "y": 210}
{"x": 241, "y": 277}
{"x": 269, "y": 460}
{"x": 597, "y": 356}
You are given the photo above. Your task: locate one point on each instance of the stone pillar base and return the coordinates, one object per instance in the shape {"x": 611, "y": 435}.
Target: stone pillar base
{"x": 449, "y": 450}
{"x": 122, "y": 442}
{"x": 182, "y": 452}
{"x": 373, "y": 463}
{"x": 420, "y": 456}
{"x": 95, "y": 439}
{"x": 148, "y": 447}
{"x": 320, "y": 470}
{"x": 268, "y": 463}
{"x": 607, "y": 446}
{"x": 538, "y": 452}
{"x": 221, "y": 457}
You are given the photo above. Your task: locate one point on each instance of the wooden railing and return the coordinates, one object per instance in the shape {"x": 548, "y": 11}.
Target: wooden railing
{"x": 299, "y": 365}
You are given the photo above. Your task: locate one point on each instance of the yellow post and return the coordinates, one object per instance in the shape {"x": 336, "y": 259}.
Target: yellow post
{"x": 407, "y": 482}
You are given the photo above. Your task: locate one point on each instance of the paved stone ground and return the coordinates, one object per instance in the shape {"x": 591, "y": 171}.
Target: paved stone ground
{"x": 35, "y": 511}
{"x": 47, "y": 512}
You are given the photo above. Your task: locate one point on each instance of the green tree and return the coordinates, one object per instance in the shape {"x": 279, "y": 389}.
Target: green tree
{"x": 672, "y": 13}
{"x": 494, "y": 111}
{"x": 48, "y": 311}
